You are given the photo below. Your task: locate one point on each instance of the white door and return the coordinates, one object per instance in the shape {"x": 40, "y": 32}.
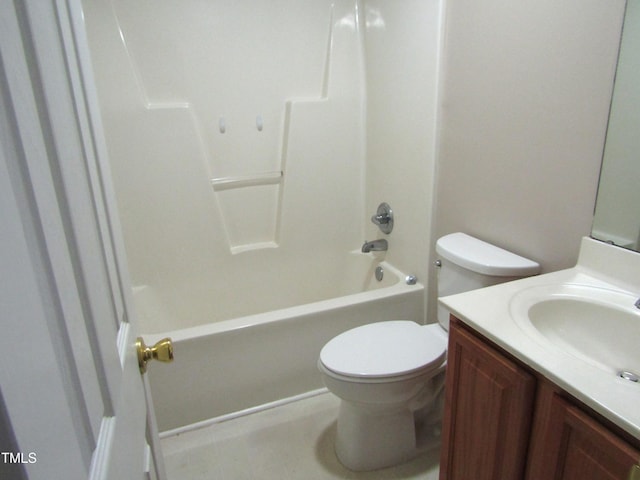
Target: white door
{"x": 72, "y": 399}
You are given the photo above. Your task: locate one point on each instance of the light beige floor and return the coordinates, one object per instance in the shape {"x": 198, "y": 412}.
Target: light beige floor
{"x": 290, "y": 442}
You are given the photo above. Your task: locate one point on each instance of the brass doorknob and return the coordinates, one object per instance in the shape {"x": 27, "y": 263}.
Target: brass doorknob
{"x": 162, "y": 350}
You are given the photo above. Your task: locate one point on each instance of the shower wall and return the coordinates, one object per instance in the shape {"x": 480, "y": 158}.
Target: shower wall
{"x": 402, "y": 62}
{"x": 236, "y": 134}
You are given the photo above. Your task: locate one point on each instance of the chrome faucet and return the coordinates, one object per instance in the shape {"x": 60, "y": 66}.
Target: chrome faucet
{"x": 637, "y": 304}
{"x": 375, "y": 246}
{"x": 383, "y": 218}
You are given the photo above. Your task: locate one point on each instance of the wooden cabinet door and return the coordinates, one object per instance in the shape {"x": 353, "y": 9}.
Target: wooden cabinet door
{"x": 489, "y": 405}
{"x": 570, "y": 445}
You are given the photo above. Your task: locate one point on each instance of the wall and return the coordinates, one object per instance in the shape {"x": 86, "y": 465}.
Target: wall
{"x": 526, "y": 88}
{"x": 402, "y": 42}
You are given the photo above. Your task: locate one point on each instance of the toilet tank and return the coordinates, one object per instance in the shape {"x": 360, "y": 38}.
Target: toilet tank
{"x": 467, "y": 263}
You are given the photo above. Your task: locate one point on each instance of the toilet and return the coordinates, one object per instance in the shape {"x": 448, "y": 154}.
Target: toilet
{"x": 389, "y": 375}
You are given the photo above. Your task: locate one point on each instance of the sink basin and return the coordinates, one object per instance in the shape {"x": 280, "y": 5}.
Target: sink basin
{"x": 600, "y": 326}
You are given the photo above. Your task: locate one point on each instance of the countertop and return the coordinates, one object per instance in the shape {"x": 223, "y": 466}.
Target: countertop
{"x": 488, "y": 311}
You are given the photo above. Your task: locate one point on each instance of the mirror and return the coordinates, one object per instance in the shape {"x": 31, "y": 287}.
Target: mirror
{"x": 617, "y": 212}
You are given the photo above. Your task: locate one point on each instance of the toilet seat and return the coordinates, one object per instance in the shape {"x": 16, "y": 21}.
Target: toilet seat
{"x": 396, "y": 348}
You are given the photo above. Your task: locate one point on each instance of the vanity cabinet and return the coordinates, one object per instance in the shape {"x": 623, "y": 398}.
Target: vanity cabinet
{"x": 488, "y": 410}
{"x": 502, "y": 421}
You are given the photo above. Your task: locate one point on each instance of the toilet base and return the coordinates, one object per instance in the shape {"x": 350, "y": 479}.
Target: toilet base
{"x": 370, "y": 438}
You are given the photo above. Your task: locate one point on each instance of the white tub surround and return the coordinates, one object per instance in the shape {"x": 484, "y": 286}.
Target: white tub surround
{"x": 232, "y": 127}
{"x": 491, "y": 311}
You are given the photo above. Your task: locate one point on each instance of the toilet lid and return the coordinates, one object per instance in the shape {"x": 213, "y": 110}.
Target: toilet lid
{"x": 383, "y": 349}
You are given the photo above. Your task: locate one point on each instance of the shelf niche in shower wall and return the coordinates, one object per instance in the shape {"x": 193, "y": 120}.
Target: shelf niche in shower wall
{"x": 249, "y": 205}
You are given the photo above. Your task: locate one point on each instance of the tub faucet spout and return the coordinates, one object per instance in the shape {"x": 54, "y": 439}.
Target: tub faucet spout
{"x": 375, "y": 246}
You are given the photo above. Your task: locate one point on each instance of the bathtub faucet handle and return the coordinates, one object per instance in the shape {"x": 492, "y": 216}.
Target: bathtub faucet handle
{"x": 380, "y": 219}
{"x": 383, "y": 218}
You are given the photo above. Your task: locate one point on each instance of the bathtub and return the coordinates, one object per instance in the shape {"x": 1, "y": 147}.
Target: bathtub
{"x": 235, "y": 366}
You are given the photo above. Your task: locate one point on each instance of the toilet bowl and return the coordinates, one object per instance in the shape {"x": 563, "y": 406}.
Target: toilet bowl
{"x": 384, "y": 387}
{"x": 390, "y": 375}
